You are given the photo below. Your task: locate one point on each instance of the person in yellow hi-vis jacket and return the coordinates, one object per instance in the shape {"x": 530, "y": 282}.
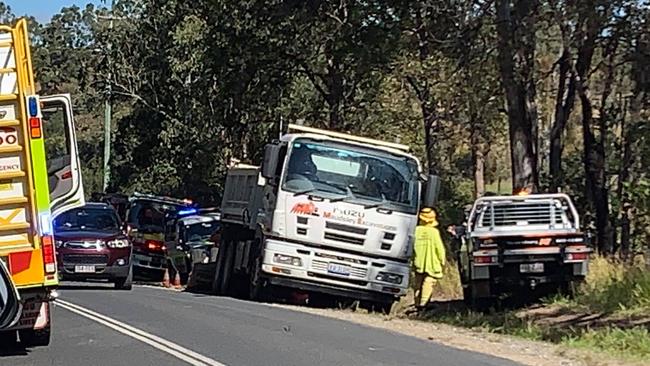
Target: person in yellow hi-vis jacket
{"x": 429, "y": 256}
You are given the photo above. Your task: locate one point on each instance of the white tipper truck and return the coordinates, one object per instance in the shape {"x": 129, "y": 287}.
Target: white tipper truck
{"x": 327, "y": 213}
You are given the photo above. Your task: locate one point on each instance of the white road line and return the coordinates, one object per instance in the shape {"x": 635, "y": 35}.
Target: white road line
{"x": 159, "y": 343}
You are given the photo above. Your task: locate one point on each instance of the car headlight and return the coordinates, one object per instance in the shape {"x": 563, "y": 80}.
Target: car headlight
{"x": 58, "y": 243}
{"x": 287, "y": 259}
{"x": 118, "y": 243}
{"x": 389, "y": 277}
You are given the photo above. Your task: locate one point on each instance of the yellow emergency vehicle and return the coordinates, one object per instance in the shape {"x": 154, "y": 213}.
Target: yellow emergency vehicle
{"x": 39, "y": 178}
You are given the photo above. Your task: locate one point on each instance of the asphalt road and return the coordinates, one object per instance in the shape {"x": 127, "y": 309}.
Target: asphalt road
{"x": 96, "y": 325}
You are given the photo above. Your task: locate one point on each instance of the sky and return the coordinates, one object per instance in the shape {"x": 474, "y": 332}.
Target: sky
{"x": 44, "y": 9}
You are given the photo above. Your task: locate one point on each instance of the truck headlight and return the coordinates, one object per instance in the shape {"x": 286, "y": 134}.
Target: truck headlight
{"x": 287, "y": 259}
{"x": 118, "y": 243}
{"x": 389, "y": 277}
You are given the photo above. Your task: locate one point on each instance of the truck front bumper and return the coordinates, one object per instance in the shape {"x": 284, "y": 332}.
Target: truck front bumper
{"x": 333, "y": 272}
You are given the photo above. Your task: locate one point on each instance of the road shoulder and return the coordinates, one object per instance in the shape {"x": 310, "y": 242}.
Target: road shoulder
{"x": 519, "y": 350}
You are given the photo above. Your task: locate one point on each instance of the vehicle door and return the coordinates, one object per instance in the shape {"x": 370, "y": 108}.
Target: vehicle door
{"x": 176, "y": 251}
{"x": 10, "y": 308}
{"x": 62, "y": 154}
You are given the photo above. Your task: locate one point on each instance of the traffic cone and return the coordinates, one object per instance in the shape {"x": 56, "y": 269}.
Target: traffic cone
{"x": 165, "y": 282}
{"x": 177, "y": 281}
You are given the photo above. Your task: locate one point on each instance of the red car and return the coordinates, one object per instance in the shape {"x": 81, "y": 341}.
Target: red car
{"x": 91, "y": 245}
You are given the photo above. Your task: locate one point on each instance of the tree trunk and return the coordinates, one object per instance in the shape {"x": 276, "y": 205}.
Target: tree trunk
{"x": 595, "y": 180}
{"x": 624, "y": 172}
{"x": 516, "y": 41}
{"x": 479, "y": 173}
{"x": 565, "y": 100}
{"x": 335, "y": 89}
{"x": 430, "y": 133}
{"x": 478, "y": 160}
{"x": 425, "y": 99}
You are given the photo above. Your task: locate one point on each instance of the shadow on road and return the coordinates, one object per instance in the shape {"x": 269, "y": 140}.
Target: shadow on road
{"x": 12, "y": 349}
{"x": 86, "y": 286}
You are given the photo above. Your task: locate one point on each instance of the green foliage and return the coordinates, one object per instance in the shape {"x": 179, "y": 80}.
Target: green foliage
{"x": 633, "y": 344}
{"x": 195, "y": 84}
{"x": 613, "y": 287}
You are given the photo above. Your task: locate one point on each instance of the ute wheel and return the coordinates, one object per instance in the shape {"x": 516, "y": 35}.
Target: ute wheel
{"x": 377, "y": 306}
{"x": 125, "y": 283}
{"x": 229, "y": 258}
{"x": 474, "y": 300}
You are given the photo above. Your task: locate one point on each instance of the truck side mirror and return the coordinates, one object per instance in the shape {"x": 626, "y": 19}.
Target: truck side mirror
{"x": 271, "y": 159}
{"x": 431, "y": 191}
{"x": 9, "y": 302}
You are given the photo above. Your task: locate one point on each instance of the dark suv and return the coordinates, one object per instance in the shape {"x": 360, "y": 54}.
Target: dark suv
{"x": 91, "y": 245}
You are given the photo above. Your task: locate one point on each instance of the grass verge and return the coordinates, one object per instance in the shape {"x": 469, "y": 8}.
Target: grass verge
{"x": 610, "y": 313}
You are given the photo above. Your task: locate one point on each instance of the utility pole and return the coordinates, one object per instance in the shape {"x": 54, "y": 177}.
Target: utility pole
{"x": 281, "y": 119}
{"x": 108, "y": 107}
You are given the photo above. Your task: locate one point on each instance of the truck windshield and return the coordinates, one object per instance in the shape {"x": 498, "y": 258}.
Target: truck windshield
{"x": 340, "y": 171}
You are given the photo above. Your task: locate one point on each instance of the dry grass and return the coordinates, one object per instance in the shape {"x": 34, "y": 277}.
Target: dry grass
{"x": 610, "y": 312}
{"x": 613, "y": 287}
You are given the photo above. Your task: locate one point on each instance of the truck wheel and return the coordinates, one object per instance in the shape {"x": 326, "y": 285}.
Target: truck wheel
{"x": 125, "y": 283}
{"x": 218, "y": 269}
{"x": 377, "y": 306}
{"x": 229, "y": 258}
{"x": 256, "y": 290}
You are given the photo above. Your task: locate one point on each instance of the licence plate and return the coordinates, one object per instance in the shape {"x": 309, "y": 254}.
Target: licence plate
{"x": 338, "y": 269}
{"x": 84, "y": 269}
{"x": 531, "y": 268}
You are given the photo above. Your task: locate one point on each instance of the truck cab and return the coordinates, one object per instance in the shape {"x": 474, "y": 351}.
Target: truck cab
{"x": 327, "y": 212}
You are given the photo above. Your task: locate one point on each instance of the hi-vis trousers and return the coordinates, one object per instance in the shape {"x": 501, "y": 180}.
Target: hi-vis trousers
{"x": 423, "y": 288}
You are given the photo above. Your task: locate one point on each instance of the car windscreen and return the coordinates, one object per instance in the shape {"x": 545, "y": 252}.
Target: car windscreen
{"x": 202, "y": 231}
{"x": 150, "y": 215}
{"x": 87, "y": 219}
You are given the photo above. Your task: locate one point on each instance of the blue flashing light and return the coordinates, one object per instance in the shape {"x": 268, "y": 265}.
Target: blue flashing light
{"x": 33, "y": 106}
{"x": 187, "y": 211}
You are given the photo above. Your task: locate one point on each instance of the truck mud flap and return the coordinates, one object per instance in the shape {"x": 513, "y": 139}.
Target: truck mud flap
{"x": 35, "y": 315}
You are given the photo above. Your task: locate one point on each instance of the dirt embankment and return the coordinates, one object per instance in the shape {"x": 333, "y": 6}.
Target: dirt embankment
{"x": 520, "y": 350}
